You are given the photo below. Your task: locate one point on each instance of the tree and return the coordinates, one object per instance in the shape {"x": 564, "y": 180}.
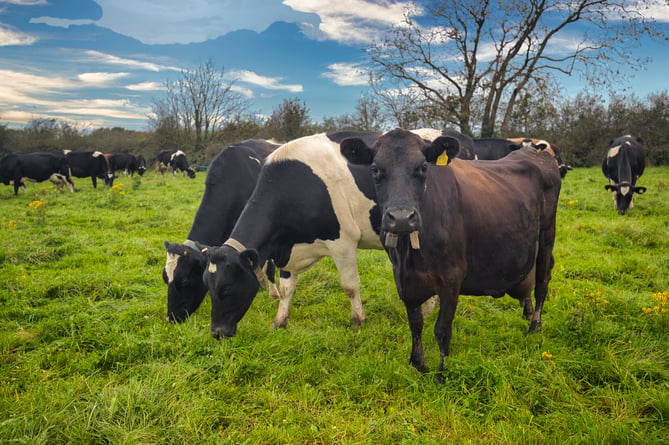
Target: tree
{"x": 197, "y": 104}
{"x": 473, "y": 60}
{"x": 289, "y": 121}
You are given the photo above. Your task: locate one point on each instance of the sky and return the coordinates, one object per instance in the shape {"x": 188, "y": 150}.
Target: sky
{"x": 102, "y": 63}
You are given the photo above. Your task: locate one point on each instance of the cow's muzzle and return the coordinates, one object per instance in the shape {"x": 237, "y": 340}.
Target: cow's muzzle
{"x": 218, "y": 332}
{"x": 396, "y": 222}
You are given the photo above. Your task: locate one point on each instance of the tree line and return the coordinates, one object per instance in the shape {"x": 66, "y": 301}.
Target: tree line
{"x": 581, "y": 126}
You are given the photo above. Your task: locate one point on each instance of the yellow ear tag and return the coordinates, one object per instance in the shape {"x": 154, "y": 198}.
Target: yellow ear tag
{"x": 442, "y": 159}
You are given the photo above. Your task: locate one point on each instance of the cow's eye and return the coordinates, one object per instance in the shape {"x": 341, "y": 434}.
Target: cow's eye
{"x": 422, "y": 170}
{"x": 376, "y": 172}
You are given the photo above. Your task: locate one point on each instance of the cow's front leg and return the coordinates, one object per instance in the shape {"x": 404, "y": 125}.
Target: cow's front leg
{"x": 443, "y": 329}
{"x": 417, "y": 359}
{"x": 286, "y": 292}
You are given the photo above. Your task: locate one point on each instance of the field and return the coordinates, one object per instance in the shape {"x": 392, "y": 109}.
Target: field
{"x": 86, "y": 355}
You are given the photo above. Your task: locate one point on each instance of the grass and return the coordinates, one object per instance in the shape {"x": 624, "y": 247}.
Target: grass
{"x": 87, "y": 357}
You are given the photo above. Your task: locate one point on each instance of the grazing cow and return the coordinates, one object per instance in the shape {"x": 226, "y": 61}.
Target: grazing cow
{"x": 623, "y": 165}
{"x": 308, "y": 203}
{"x": 453, "y": 227}
{"x": 176, "y": 159}
{"x": 230, "y": 180}
{"x": 90, "y": 163}
{"x": 540, "y": 144}
{"x": 35, "y": 167}
{"x": 127, "y": 163}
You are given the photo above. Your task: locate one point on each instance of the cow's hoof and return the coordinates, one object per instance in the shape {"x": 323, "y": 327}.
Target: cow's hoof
{"x": 279, "y": 324}
{"x": 535, "y": 327}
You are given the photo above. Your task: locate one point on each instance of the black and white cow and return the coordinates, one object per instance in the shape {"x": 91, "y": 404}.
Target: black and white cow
{"x": 308, "y": 203}
{"x": 624, "y": 163}
{"x": 541, "y": 144}
{"x": 127, "y": 163}
{"x": 93, "y": 164}
{"x": 230, "y": 180}
{"x": 175, "y": 159}
{"x": 453, "y": 227}
{"x": 15, "y": 169}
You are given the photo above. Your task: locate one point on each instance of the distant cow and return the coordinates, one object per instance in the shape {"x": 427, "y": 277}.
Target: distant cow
{"x": 91, "y": 164}
{"x": 308, "y": 203}
{"x": 624, "y": 163}
{"x": 453, "y": 227}
{"x": 230, "y": 180}
{"x": 35, "y": 167}
{"x": 490, "y": 149}
{"x": 127, "y": 163}
{"x": 175, "y": 159}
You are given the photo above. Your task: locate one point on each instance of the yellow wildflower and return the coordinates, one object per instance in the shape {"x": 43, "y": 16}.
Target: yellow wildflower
{"x": 547, "y": 355}
{"x": 12, "y": 225}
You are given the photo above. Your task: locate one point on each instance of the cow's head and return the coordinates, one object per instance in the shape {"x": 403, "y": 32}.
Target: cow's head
{"x": 190, "y": 171}
{"x": 400, "y": 162}
{"x": 232, "y": 278}
{"x": 624, "y": 195}
{"x": 183, "y": 276}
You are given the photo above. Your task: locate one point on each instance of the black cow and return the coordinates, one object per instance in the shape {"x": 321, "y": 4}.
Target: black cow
{"x": 454, "y": 227}
{"x": 176, "y": 159}
{"x": 91, "y": 164}
{"x": 308, "y": 203}
{"x": 230, "y": 180}
{"x": 127, "y": 163}
{"x": 490, "y": 149}
{"x": 624, "y": 163}
{"x": 35, "y": 167}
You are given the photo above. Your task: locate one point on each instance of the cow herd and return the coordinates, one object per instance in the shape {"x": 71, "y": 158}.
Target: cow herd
{"x": 455, "y": 215}
{"x": 61, "y": 167}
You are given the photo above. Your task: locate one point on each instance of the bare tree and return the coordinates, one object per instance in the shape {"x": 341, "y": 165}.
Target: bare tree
{"x": 473, "y": 60}
{"x": 198, "y": 103}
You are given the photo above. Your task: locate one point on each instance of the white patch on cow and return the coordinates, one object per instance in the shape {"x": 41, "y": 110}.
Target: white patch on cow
{"x": 428, "y": 134}
{"x": 171, "y": 266}
{"x": 176, "y": 153}
{"x": 255, "y": 159}
{"x": 212, "y": 268}
{"x": 624, "y": 190}
{"x": 66, "y": 151}
{"x": 96, "y": 154}
{"x": 613, "y": 151}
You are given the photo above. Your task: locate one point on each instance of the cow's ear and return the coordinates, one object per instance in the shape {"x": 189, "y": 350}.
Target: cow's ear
{"x": 249, "y": 259}
{"x": 167, "y": 244}
{"x": 640, "y": 190}
{"x": 356, "y": 151}
{"x": 442, "y": 150}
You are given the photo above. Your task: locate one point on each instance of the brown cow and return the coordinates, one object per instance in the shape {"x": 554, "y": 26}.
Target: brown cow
{"x": 453, "y": 227}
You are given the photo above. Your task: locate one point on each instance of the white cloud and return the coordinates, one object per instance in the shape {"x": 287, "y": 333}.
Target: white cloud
{"x": 346, "y": 74}
{"x": 26, "y": 2}
{"x": 100, "y": 79}
{"x": 355, "y": 21}
{"x": 656, "y": 9}
{"x": 11, "y": 37}
{"x": 146, "y": 86}
{"x": 97, "y": 56}
{"x": 271, "y": 83}
{"x": 49, "y": 96}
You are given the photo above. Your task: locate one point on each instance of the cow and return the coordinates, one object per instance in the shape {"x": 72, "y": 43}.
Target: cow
{"x": 230, "y": 180}
{"x": 467, "y": 143}
{"x": 93, "y": 164}
{"x": 452, "y": 227}
{"x": 308, "y": 203}
{"x": 623, "y": 165}
{"x": 127, "y": 163}
{"x": 176, "y": 159}
{"x": 541, "y": 144}
{"x": 489, "y": 149}
{"x": 15, "y": 169}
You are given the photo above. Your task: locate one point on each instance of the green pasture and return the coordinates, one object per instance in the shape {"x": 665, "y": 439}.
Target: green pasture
{"x": 86, "y": 355}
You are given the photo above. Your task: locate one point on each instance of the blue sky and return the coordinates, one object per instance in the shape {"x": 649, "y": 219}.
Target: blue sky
{"x": 102, "y": 63}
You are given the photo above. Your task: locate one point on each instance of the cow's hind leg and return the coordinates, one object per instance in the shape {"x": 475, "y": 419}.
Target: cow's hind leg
{"x": 544, "y": 266}
{"x": 347, "y": 266}
{"x": 286, "y": 292}
{"x": 523, "y": 293}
